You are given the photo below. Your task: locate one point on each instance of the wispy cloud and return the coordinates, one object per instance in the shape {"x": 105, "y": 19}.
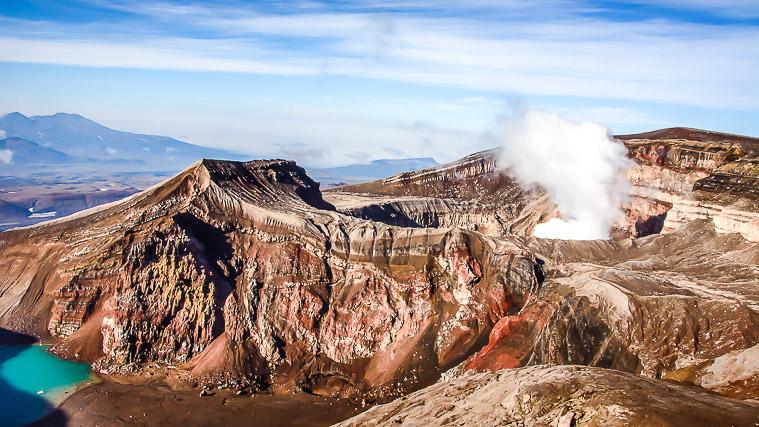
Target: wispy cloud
{"x": 394, "y": 78}
{"x": 6, "y": 156}
{"x": 573, "y": 54}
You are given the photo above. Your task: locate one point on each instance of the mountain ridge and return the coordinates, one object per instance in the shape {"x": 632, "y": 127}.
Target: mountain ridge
{"x": 81, "y": 137}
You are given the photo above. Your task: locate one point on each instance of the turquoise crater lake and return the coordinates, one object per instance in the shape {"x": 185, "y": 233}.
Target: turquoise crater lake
{"x": 34, "y": 381}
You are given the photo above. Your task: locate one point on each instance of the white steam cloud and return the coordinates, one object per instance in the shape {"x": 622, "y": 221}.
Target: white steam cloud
{"x": 580, "y": 166}
{"x": 6, "y": 156}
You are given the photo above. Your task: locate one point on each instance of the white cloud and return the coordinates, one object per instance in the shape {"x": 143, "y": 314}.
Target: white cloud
{"x": 3, "y": 135}
{"x": 6, "y": 156}
{"x": 319, "y": 137}
{"x": 111, "y": 151}
{"x": 578, "y": 56}
{"x": 538, "y": 49}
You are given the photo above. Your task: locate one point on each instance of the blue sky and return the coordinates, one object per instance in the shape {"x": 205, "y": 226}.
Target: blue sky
{"x": 339, "y": 82}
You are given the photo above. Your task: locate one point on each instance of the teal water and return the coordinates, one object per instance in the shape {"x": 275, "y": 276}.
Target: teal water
{"x": 33, "y": 381}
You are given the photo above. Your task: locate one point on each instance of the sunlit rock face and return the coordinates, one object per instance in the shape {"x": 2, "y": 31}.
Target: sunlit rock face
{"x": 697, "y": 175}
{"x": 558, "y": 396}
{"x": 473, "y": 193}
{"x": 247, "y": 273}
{"x": 651, "y": 306}
{"x": 242, "y": 270}
{"x": 677, "y": 175}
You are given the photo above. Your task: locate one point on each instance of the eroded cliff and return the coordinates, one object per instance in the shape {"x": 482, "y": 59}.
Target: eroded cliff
{"x": 242, "y": 272}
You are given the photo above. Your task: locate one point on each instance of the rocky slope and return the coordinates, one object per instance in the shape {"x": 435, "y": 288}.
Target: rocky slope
{"x": 680, "y": 175}
{"x": 651, "y": 306}
{"x": 244, "y": 274}
{"x": 682, "y": 306}
{"x": 472, "y": 193}
{"x": 560, "y": 396}
{"x": 241, "y": 272}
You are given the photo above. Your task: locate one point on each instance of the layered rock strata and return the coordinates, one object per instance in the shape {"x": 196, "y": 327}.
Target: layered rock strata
{"x": 679, "y": 175}
{"x": 700, "y": 175}
{"x": 472, "y": 193}
{"x": 241, "y": 271}
{"x": 561, "y": 396}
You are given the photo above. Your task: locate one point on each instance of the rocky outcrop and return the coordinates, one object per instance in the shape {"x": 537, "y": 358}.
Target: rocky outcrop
{"x": 734, "y": 374}
{"x": 699, "y": 174}
{"x": 651, "y": 306}
{"x": 241, "y": 271}
{"x": 472, "y": 193}
{"x": 558, "y": 396}
{"x": 679, "y": 175}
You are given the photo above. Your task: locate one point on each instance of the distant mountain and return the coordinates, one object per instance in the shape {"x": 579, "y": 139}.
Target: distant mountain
{"x": 80, "y": 137}
{"x": 370, "y": 171}
{"x": 26, "y": 152}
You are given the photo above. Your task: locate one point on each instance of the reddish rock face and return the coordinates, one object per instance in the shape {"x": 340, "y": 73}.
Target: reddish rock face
{"x": 242, "y": 271}
{"x": 652, "y": 307}
{"x": 683, "y": 175}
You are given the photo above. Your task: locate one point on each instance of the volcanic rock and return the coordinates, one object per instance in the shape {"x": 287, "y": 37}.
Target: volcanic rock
{"x": 697, "y": 175}
{"x": 558, "y": 395}
{"x": 679, "y": 175}
{"x": 243, "y": 275}
{"x": 242, "y": 271}
{"x": 472, "y": 193}
{"x": 649, "y": 306}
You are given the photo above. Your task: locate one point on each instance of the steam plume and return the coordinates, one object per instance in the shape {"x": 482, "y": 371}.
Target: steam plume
{"x": 579, "y": 165}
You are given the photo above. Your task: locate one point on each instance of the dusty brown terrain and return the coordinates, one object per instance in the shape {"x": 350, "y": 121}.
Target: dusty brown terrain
{"x": 680, "y": 175}
{"x": 559, "y": 396}
{"x": 242, "y": 275}
{"x": 155, "y": 403}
